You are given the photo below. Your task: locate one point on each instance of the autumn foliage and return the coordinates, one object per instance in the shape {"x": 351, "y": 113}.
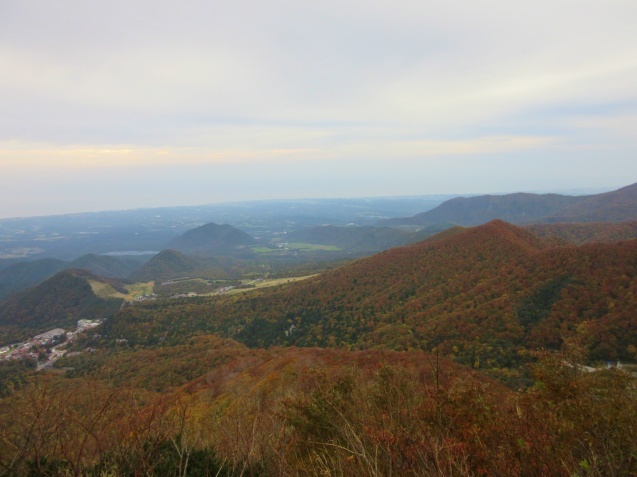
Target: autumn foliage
{"x": 485, "y": 297}
{"x": 328, "y": 412}
{"x": 382, "y": 367}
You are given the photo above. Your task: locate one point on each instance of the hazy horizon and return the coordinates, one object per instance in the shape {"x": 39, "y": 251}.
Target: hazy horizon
{"x": 571, "y": 191}
{"x": 137, "y": 104}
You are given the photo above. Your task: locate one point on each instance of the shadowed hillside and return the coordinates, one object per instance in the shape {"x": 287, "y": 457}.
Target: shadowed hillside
{"x": 23, "y": 275}
{"x": 27, "y": 274}
{"x": 106, "y": 266}
{"x": 211, "y": 239}
{"x": 58, "y": 302}
{"x": 166, "y": 264}
{"x": 173, "y": 264}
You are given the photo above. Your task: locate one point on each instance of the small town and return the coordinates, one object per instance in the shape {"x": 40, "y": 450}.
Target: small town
{"x": 46, "y": 347}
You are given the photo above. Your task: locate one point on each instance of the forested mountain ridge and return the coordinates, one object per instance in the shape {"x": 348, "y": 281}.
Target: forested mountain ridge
{"x": 470, "y": 211}
{"x": 615, "y": 206}
{"x": 526, "y": 208}
{"x": 483, "y": 296}
{"x": 298, "y": 411}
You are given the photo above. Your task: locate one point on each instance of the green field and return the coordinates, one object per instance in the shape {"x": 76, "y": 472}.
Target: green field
{"x": 269, "y": 282}
{"x": 104, "y": 290}
{"x": 138, "y": 289}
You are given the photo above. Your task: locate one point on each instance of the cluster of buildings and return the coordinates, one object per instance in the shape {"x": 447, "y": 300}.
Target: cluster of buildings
{"x": 185, "y": 295}
{"x": 223, "y": 290}
{"x": 50, "y": 340}
{"x": 219, "y": 291}
{"x": 148, "y": 297}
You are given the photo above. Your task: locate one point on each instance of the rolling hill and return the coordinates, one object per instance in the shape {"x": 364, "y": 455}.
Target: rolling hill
{"x": 211, "y": 239}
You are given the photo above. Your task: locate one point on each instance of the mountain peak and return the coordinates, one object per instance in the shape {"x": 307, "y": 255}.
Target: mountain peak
{"x": 210, "y": 239}
{"x": 500, "y": 230}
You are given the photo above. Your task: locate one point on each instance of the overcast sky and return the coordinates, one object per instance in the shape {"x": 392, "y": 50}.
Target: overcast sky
{"x": 125, "y": 104}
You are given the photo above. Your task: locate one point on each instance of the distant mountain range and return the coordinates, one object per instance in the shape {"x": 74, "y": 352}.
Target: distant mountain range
{"x": 562, "y": 219}
{"x": 205, "y": 241}
{"x": 67, "y": 237}
{"x": 523, "y": 208}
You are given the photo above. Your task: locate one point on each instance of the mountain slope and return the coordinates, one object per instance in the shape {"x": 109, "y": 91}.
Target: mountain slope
{"x": 56, "y": 303}
{"x": 106, "y": 266}
{"x": 616, "y": 206}
{"x": 166, "y": 264}
{"x": 211, "y": 239}
{"x": 483, "y": 296}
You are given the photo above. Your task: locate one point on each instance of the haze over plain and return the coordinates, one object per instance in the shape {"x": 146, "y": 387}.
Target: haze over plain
{"x": 118, "y": 105}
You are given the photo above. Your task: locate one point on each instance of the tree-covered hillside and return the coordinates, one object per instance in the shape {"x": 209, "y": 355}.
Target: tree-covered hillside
{"x": 483, "y": 296}
{"x": 58, "y": 302}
